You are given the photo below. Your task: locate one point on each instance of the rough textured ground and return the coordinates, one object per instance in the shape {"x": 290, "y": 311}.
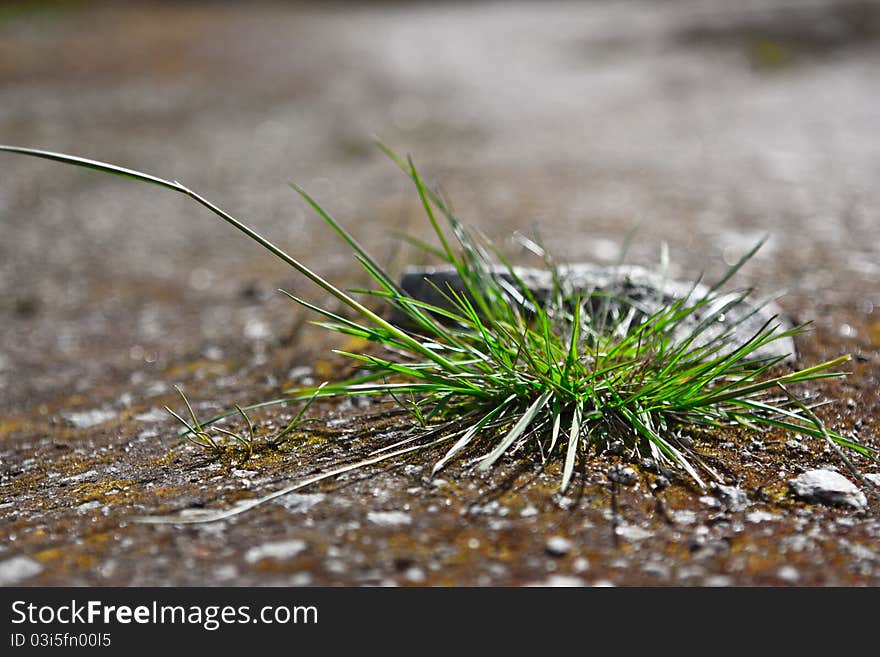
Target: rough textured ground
{"x": 708, "y": 126}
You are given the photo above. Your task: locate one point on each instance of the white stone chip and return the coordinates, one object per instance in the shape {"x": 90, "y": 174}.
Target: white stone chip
{"x": 828, "y": 487}
{"x": 389, "y": 518}
{"x": 277, "y": 550}
{"x": 17, "y": 569}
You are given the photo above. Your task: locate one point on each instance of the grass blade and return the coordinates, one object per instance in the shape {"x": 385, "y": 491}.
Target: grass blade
{"x": 516, "y": 432}
{"x": 573, "y": 442}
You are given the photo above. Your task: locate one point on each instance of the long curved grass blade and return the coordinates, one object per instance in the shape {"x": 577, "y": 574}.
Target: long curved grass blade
{"x": 96, "y": 165}
{"x": 290, "y": 260}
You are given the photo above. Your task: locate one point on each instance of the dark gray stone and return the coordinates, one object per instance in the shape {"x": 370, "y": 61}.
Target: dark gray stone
{"x": 625, "y": 289}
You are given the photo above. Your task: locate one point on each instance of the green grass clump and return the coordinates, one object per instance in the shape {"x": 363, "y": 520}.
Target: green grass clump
{"x": 494, "y": 372}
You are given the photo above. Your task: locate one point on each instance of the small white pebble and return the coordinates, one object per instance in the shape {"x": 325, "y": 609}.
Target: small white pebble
{"x": 632, "y": 533}
{"x": 718, "y": 581}
{"x": 389, "y": 518}
{"x": 760, "y": 516}
{"x": 276, "y": 550}
{"x": 560, "y": 581}
{"x": 558, "y": 546}
{"x": 17, "y": 569}
{"x": 788, "y": 574}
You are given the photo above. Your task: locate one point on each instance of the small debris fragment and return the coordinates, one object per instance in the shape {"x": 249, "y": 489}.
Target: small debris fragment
{"x": 17, "y": 569}
{"x": 87, "y": 419}
{"x": 788, "y": 574}
{"x": 244, "y": 474}
{"x": 580, "y": 565}
{"x": 301, "y": 502}
{"x": 153, "y": 415}
{"x": 558, "y": 546}
{"x": 276, "y": 550}
{"x": 718, "y": 581}
{"x": 760, "y": 516}
{"x": 336, "y": 566}
{"x": 88, "y": 475}
{"x": 213, "y": 352}
{"x": 301, "y": 374}
{"x": 828, "y": 487}
{"x": 300, "y": 579}
{"x": 225, "y": 572}
{"x": 632, "y": 533}
{"x": 732, "y": 497}
{"x": 560, "y": 581}
{"x": 661, "y": 482}
{"x": 657, "y": 569}
{"x": 389, "y": 518}
{"x": 623, "y": 475}
{"x": 796, "y": 543}
{"x": 615, "y": 448}
{"x": 685, "y": 516}
{"x": 257, "y": 330}
{"x": 846, "y": 331}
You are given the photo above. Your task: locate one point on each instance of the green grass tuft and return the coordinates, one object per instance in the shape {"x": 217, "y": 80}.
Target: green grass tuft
{"x": 494, "y": 372}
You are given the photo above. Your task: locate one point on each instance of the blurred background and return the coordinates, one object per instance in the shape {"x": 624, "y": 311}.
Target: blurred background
{"x": 707, "y": 124}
